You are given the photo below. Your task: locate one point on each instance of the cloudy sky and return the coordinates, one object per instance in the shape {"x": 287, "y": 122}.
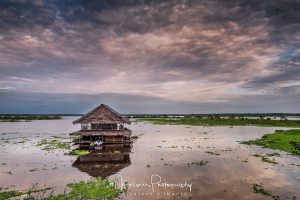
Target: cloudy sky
{"x": 181, "y": 56}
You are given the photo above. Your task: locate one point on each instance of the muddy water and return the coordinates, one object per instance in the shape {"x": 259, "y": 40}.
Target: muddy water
{"x": 164, "y": 153}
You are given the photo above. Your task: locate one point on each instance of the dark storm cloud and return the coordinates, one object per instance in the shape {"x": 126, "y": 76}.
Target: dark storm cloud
{"x": 219, "y": 50}
{"x": 43, "y": 103}
{"x": 286, "y": 72}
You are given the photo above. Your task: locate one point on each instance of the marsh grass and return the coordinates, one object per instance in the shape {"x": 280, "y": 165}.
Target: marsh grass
{"x": 212, "y": 153}
{"x": 265, "y": 158}
{"x": 222, "y": 122}
{"x": 9, "y": 194}
{"x": 61, "y": 143}
{"x": 96, "y": 188}
{"x": 79, "y": 152}
{"x": 27, "y": 118}
{"x": 258, "y": 188}
{"x": 93, "y": 189}
{"x": 288, "y": 141}
{"x": 199, "y": 163}
{"x": 52, "y": 144}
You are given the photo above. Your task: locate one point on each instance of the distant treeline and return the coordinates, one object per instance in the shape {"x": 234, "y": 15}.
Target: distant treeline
{"x": 216, "y": 115}
{"x": 224, "y": 121}
{"x": 16, "y": 118}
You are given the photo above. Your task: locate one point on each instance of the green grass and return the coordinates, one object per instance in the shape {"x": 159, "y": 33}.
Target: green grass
{"x": 9, "y": 194}
{"x": 223, "y": 122}
{"x": 79, "y": 152}
{"x": 60, "y": 143}
{"x": 52, "y": 144}
{"x": 96, "y": 188}
{"x": 19, "y": 118}
{"x": 101, "y": 189}
{"x": 288, "y": 141}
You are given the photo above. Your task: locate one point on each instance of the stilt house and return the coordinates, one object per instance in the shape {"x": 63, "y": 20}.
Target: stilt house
{"x": 105, "y": 124}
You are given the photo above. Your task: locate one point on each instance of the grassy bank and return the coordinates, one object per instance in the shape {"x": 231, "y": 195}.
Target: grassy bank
{"x": 18, "y": 118}
{"x": 223, "y": 122}
{"x": 94, "y": 189}
{"x": 288, "y": 141}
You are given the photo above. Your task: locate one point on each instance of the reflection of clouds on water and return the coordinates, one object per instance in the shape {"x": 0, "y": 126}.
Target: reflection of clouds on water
{"x": 225, "y": 176}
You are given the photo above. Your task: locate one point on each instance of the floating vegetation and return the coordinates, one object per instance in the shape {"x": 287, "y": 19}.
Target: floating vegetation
{"x": 212, "y": 153}
{"x": 9, "y": 194}
{"x": 217, "y": 121}
{"x": 79, "y": 152}
{"x": 265, "y": 158}
{"x": 65, "y": 137}
{"x": 258, "y": 188}
{"x": 173, "y": 147}
{"x": 199, "y": 163}
{"x": 94, "y": 189}
{"x": 33, "y": 170}
{"x": 273, "y": 154}
{"x": 288, "y": 141}
{"x": 28, "y": 194}
{"x": 52, "y": 144}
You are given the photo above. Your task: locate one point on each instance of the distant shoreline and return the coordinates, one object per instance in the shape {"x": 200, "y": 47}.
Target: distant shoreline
{"x": 175, "y": 115}
{"x": 27, "y": 118}
{"x": 217, "y": 121}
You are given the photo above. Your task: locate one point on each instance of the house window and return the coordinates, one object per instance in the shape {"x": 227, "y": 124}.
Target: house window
{"x": 103, "y": 126}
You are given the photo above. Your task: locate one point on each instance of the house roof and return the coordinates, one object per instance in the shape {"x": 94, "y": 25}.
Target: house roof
{"x": 102, "y": 114}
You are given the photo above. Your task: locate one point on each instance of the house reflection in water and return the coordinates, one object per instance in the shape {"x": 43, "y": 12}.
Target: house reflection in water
{"x": 105, "y": 161}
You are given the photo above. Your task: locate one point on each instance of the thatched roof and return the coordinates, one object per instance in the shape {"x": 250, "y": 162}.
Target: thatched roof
{"x": 102, "y": 114}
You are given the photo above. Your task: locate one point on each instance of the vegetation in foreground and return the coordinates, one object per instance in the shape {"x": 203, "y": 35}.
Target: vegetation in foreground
{"x": 9, "y": 194}
{"x": 61, "y": 143}
{"x": 218, "y": 121}
{"x": 80, "y": 152}
{"x": 10, "y": 118}
{"x": 266, "y": 158}
{"x": 258, "y": 188}
{"x": 52, "y": 144}
{"x": 199, "y": 163}
{"x": 94, "y": 189}
{"x": 288, "y": 141}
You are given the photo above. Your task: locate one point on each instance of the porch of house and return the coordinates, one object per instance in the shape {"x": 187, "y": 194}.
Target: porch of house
{"x": 107, "y": 137}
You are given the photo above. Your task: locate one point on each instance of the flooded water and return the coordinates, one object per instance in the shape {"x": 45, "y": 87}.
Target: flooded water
{"x": 165, "y": 162}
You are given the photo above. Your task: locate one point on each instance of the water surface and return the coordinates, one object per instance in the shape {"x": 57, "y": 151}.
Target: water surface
{"x": 164, "y": 152}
